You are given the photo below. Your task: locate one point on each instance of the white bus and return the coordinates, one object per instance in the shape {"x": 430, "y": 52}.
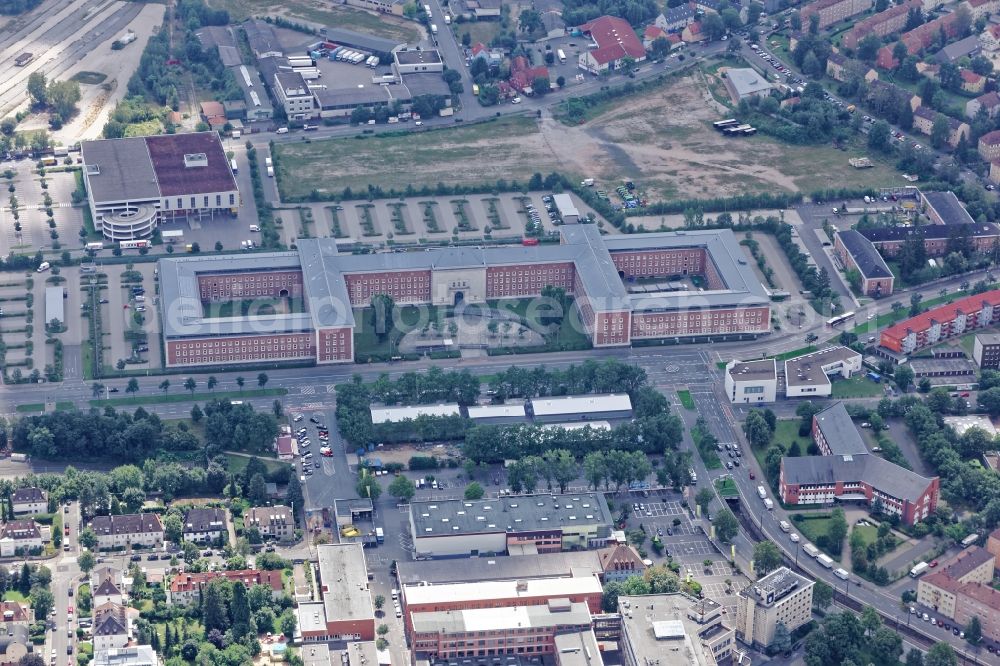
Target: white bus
{"x": 232, "y": 163}
{"x": 95, "y": 246}
{"x": 133, "y": 244}
{"x": 562, "y": 56}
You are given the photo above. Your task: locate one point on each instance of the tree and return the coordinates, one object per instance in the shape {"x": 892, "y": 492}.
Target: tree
{"x": 903, "y": 376}
{"x": 379, "y": 601}
{"x": 822, "y": 595}
{"x": 42, "y": 601}
{"x": 37, "y": 89}
{"x": 940, "y": 654}
{"x": 165, "y": 386}
{"x": 766, "y": 558}
{"x": 293, "y": 494}
{"x": 368, "y": 486}
{"x": 87, "y": 538}
{"x": 213, "y": 606}
{"x": 474, "y": 491}
{"x": 402, "y": 489}
{"x": 704, "y": 499}
{"x": 288, "y": 623}
{"x": 240, "y": 382}
{"x": 782, "y": 642}
{"x": 212, "y": 382}
{"x": 63, "y": 96}
{"x": 837, "y": 530}
{"x": 712, "y": 25}
{"x": 756, "y": 428}
{"x": 974, "y": 631}
{"x": 940, "y": 132}
{"x": 887, "y": 646}
{"x": 879, "y": 136}
{"x": 726, "y": 526}
{"x": 262, "y": 379}
{"x": 190, "y": 384}
{"x": 133, "y": 386}
{"x": 173, "y": 528}
{"x": 86, "y": 562}
{"x": 239, "y": 611}
{"x": 541, "y": 85}
{"x": 31, "y": 660}
{"x": 561, "y": 466}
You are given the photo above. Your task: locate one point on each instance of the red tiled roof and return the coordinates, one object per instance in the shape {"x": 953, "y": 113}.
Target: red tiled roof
{"x": 990, "y": 138}
{"x": 674, "y": 38}
{"x": 970, "y": 77}
{"x": 478, "y": 48}
{"x": 189, "y": 582}
{"x": 653, "y": 32}
{"x": 943, "y": 314}
{"x": 615, "y": 39}
{"x": 285, "y": 445}
{"x": 694, "y": 28}
{"x": 213, "y": 110}
{"x": 994, "y": 30}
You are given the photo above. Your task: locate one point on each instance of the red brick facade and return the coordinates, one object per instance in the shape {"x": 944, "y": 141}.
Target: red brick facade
{"x": 402, "y": 286}
{"x": 701, "y": 322}
{"x": 907, "y": 510}
{"x": 335, "y": 344}
{"x": 544, "y": 542}
{"x": 660, "y": 263}
{"x": 215, "y": 287}
{"x": 612, "y": 328}
{"x": 527, "y": 279}
{"x": 240, "y": 349}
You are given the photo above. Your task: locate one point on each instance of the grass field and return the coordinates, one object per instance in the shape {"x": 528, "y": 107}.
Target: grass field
{"x": 815, "y": 526}
{"x": 726, "y": 488}
{"x": 479, "y": 31}
{"x": 856, "y": 387}
{"x": 472, "y": 154}
{"x": 180, "y": 395}
{"x": 256, "y": 306}
{"x": 868, "y": 532}
{"x": 321, "y": 13}
{"x": 685, "y": 397}
{"x": 235, "y": 464}
{"x": 787, "y": 431}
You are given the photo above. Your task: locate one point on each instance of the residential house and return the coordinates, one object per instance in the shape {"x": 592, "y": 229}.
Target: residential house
{"x": 20, "y": 537}
{"x": 882, "y": 94}
{"x": 675, "y": 19}
{"x": 994, "y": 175}
{"x": 963, "y": 48}
{"x": 620, "y": 562}
{"x": 109, "y": 591}
{"x": 794, "y": 38}
{"x": 989, "y": 146}
{"x": 693, "y": 33}
{"x": 614, "y": 41}
{"x": 205, "y": 525}
{"x": 842, "y": 68}
{"x": 111, "y": 627}
{"x": 214, "y": 114}
{"x": 186, "y": 588}
{"x": 982, "y": 8}
{"x": 15, "y": 643}
{"x": 16, "y": 612}
{"x": 924, "y": 119}
{"x": 971, "y": 82}
{"x": 651, "y": 34}
{"x": 881, "y": 24}
{"x": 128, "y": 530}
{"x": 708, "y": 5}
{"x": 482, "y": 9}
{"x": 29, "y": 501}
{"x": 988, "y": 102}
{"x": 833, "y": 11}
{"x": 918, "y": 39}
{"x": 930, "y": 71}
{"x": 273, "y": 522}
{"x": 523, "y": 75}
{"x": 137, "y": 655}
{"x": 989, "y": 39}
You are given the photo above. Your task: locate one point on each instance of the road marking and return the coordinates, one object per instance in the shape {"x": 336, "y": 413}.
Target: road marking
{"x": 308, "y": 390}
{"x": 331, "y": 388}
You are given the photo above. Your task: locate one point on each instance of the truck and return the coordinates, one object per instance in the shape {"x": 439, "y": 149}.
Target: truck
{"x": 825, "y": 561}
{"x": 310, "y": 73}
{"x": 379, "y": 535}
{"x": 42, "y": 267}
{"x": 359, "y": 58}
{"x": 761, "y": 492}
{"x": 811, "y": 550}
{"x": 268, "y": 162}
{"x": 95, "y": 246}
{"x": 919, "y": 569}
{"x": 270, "y": 172}
{"x": 769, "y": 504}
{"x": 23, "y": 59}
{"x": 447, "y": 111}
{"x": 232, "y": 164}
{"x": 841, "y": 574}
{"x": 19, "y": 457}
{"x": 587, "y": 182}
{"x": 562, "y": 56}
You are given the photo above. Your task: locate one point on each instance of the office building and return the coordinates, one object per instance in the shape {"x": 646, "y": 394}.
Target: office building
{"x": 674, "y": 630}
{"x": 811, "y": 375}
{"x": 781, "y": 596}
{"x": 752, "y": 382}
{"x": 857, "y": 253}
{"x": 986, "y": 351}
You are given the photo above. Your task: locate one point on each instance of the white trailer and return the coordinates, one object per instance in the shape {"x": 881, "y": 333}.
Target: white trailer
{"x": 300, "y": 61}
{"x": 825, "y": 561}
{"x": 310, "y": 73}
{"x": 359, "y": 58}
{"x": 811, "y": 550}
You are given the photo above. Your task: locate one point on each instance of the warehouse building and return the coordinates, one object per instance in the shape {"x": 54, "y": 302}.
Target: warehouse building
{"x": 526, "y": 524}
{"x": 942, "y": 323}
{"x": 498, "y": 414}
{"x": 415, "y": 61}
{"x": 732, "y": 306}
{"x": 582, "y": 407}
{"x": 752, "y": 382}
{"x": 135, "y": 183}
{"x": 857, "y": 253}
{"x": 811, "y": 375}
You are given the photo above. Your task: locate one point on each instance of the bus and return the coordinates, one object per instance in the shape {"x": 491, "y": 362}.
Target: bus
{"x": 839, "y": 319}
{"x": 475, "y": 89}
{"x": 232, "y": 163}
{"x": 969, "y": 540}
{"x": 133, "y": 244}
{"x": 562, "y": 56}
{"x": 723, "y": 124}
{"x": 95, "y": 246}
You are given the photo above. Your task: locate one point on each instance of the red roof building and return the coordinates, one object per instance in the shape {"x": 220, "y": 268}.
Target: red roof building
{"x": 523, "y": 75}
{"x": 947, "y": 321}
{"x": 651, "y": 34}
{"x": 918, "y": 39}
{"x": 284, "y": 445}
{"x": 186, "y": 587}
{"x": 615, "y": 40}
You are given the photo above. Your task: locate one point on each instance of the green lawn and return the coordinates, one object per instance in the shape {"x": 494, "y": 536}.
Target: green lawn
{"x": 237, "y": 463}
{"x": 256, "y": 306}
{"x": 856, "y": 387}
{"x": 869, "y": 532}
{"x": 708, "y": 453}
{"x": 14, "y": 595}
{"x": 726, "y": 488}
{"x": 813, "y": 527}
{"x": 787, "y": 431}
{"x": 180, "y": 395}
{"x": 685, "y": 397}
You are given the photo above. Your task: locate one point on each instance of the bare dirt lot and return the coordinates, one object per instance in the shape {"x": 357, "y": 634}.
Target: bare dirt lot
{"x": 662, "y": 140}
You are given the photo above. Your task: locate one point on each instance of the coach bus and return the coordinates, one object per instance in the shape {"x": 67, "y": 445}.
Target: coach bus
{"x": 133, "y": 244}
{"x": 839, "y": 319}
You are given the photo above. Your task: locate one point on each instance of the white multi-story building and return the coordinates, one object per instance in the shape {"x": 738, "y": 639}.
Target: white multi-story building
{"x": 29, "y": 501}
{"x": 111, "y": 627}
{"x": 810, "y": 375}
{"x": 781, "y": 596}
{"x": 752, "y": 382}
{"x": 293, "y": 94}
{"x": 134, "y": 529}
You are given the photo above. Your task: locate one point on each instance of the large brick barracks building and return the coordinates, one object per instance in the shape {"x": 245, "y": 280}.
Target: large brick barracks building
{"x": 609, "y": 278}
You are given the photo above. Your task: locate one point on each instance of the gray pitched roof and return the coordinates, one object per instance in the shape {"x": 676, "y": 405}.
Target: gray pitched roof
{"x": 948, "y": 207}
{"x": 879, "y": 473}
{"x": 869, "y": 261}
{"x": 839, "y": 431}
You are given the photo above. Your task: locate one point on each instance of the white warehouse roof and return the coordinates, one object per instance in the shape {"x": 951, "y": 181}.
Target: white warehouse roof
{"x": 565, "y": 205}
{"x": 393, "y": 414}
{"x": 578, "y": 425}
{"x": 582, "y": 404}
{"x": 497, "y": 411}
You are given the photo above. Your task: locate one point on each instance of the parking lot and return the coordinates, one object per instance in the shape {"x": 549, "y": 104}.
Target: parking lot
{"x": 35, "y": 233}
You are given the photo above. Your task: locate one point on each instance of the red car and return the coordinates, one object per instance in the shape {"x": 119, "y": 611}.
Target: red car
{"x": 934, "y": 564}
{"x": 965, "y": 394}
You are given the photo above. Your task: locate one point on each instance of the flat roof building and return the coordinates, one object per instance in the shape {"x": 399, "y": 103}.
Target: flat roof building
{"x": 857, "y": 253}
{"x": 809, "y": 375}
{"x": 377, "y": 45}
{"x": 55, "y": 309}
{"x": 752, "y": 382}
{"x": 674, "y": 630}
{"x": 585, "y": 563}
{"x": 986, "y": 351}
{"x": 346, "y": 611}
{"x": 135, "y": 183}
{"x": 383, "y": 414}
{"x": 414, "y": 61}
{"x": 539, "y": 523}
{"x": 781, "y": 596}
{"x": 497, "y": 414}
{"x": 567, "y": 209}
{"x": 744, "y": 83}
{"x": 960, "y": 424}
{"x": 582, "y": 407}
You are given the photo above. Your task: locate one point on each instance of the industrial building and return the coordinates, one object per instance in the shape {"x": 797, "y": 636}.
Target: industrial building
{"x": 346, "y": 611}
{"x": 857, "y": 253}
{"x": 383, "y": 414}
{"x": 674, "y": 630}
{"x": 732, "y": 306}
{"x": 752, "y": 382}
{"x": 523, "y": 524}
{"x": 810, "y": 375}
{"x": 943, "y": 322}
{"x": 136, "y": 183}
{"x": 781, "y": 596}
{"x": 498, "y": 414}
{"x": 416, "y": 61}
{"x": 478, "y": 569}
{"x": 745, "y": 83}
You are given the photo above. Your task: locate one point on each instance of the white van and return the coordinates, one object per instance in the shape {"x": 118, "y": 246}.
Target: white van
{"x": 769, "y": 504}
{"x": 841, "y": 574}
{"x": 254, "y": 228}
{"x": 44, "y": 266}
{"x": 282, "y": 130}
{"x": 761, "y": 492}
{"x": 785, "y": 527}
